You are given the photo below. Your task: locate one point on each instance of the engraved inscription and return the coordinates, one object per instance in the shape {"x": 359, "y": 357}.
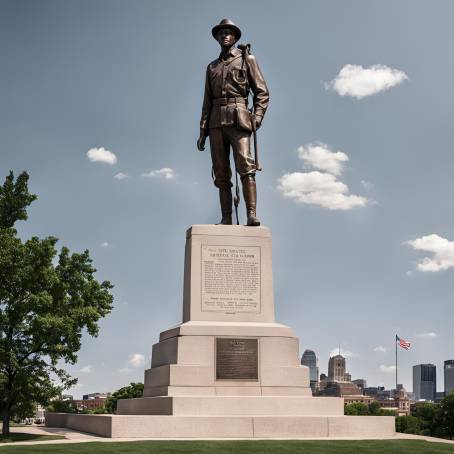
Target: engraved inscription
{"x": 236, "y": 359}
{"x": 231, "y": 279}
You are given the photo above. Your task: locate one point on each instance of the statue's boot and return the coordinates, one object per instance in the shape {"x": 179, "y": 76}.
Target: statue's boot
{"x": 225, "y": 197}
{"x": 250, "y": 199}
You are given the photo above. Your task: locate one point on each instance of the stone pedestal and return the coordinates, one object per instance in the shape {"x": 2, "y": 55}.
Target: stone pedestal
{"x": 229, "y": 356}
{"x": 229, "y": 370}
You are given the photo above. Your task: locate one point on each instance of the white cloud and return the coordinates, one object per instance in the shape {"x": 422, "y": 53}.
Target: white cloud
{"x": 321, "y": 189}
{"x": 380, "y": 349}
{"x": 165, "y": 172}
{"x": 441, "y": 248}
{"x": 388, "y": 369}
{"x": 101, "y": 155}
{"x": 86, "y": 369}
{"x": 427, "y": 335}
{"x": 344, "y": 353}
{"x": 321, "y": 157}
{"x": 124, "y": 370}
{"x": 105, "y": 244}
{"x": 121, "y": 176}
{"x": 136, "y": 360}
{"x": 359, "y": 82}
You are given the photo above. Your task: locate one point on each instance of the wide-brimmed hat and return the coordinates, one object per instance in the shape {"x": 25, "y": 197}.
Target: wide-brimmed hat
{"x": 226, "y": 23}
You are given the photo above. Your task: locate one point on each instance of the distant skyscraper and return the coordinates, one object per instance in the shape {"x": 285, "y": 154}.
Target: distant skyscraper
{"x": 310, "y": 360}
{"x": 449, "y": 376}
{"x": 336, "y": 368}
{"x": 424, "y": 381}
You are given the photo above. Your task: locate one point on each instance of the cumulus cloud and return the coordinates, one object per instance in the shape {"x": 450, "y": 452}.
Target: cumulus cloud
{"x": 86, "y": 369}
{"x": 359, "y": 82}
{"x": 380, "y": 349}
{"x": 321, "y": 189}
{"x": 388, "y": 369}
{"x": 121, "y": 176}
{"x": 320, "y": 157}
{"x": 344, "y": 353}
{"x": 165, "y": 172}
{"x": 427, "y": 335}
{"x": 136, "y": 360}
{"x": 442, "y": 251}
{"x": 101, "y": 155}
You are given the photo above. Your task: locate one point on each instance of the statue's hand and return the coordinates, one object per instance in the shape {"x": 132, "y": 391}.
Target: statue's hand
{"x": 258, "y": 122}
{"x": 201, "y": 142}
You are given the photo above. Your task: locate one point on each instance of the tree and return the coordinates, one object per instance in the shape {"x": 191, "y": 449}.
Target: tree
{"x": 374, "y": 409}
{"x": 127, "y": 392}
{"x": 357, "y": 409}
{"x": 408, "y": 424}
{"x": 45, "y": 303}
{"x": 62, "y": 406}
{"x": 446, "y": 415}
{"x": 428, "y": 415}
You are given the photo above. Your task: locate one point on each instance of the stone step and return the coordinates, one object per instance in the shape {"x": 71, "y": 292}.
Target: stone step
{"x": 232, "y": 406}
{"x": 152, "y": 391}
{"x": 147, "y": 426}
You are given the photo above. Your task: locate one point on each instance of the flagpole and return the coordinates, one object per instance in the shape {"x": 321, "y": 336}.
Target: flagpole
{"x": 395, "y": 343}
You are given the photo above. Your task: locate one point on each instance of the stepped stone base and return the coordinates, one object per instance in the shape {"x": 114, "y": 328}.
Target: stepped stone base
{"x": 151, "y": 426}
{"x": 229, "y": 370}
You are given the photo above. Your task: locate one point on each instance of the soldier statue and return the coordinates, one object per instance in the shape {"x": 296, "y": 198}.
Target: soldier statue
{"x": 227, "y": 120}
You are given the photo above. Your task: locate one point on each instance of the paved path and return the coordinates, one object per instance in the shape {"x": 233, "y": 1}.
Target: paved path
{"x": 73, "y": 436}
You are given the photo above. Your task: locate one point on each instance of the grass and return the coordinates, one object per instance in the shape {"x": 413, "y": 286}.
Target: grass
{"x": 19, "y": 436}
{"x": 242, "y": 447}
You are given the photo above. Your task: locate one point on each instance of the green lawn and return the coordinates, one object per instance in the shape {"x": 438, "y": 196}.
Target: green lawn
{"x": 241, "y": 447}
{"x": 18, "y": 436}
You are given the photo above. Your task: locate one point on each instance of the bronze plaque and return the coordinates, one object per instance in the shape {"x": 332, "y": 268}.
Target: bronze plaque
{"x": 237, "y": 359}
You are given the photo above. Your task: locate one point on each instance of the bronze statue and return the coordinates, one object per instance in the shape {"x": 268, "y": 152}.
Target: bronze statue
{"x": 227, "y": 120}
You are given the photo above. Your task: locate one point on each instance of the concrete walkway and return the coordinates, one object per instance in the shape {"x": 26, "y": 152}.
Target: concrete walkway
{"x": 72, "y": 436}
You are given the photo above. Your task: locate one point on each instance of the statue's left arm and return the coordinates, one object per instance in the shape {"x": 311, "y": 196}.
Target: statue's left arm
{"x": 259, "y": 89}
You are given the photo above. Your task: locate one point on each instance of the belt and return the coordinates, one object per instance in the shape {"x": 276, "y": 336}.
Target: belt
{"x": 225, "y": 101}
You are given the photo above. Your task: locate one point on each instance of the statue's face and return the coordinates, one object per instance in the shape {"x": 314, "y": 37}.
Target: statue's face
{"x": 226, "y": 37}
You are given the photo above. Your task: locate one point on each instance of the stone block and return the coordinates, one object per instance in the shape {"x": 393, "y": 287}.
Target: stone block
{"x": 176, "y": 375}
{"x": 219, "y": 259}
{"x": 361, "y": 426}
{"x": 291, "y": 427}
{"x": 279, "y": 351}
{"x": 285, "y": 376}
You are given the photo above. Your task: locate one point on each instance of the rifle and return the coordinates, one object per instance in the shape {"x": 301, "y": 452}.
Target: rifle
{"x": 245, "y": 48}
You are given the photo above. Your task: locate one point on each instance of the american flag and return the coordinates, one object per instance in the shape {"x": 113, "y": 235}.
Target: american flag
{"x": 403, "y": 343}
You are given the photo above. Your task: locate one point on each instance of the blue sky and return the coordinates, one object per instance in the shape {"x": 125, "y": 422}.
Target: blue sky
{"x": 357, "y": 163}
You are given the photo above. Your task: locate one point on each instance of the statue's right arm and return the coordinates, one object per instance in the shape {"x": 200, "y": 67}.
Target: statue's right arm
{"x": 206, "y": 110}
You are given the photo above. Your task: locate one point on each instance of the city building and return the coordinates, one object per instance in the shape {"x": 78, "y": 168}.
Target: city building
{"x": 91, "y": 401}
{"x": 424, "y": 382}
{"x": 95, "y": 396}
{"x": 310, "y": 360}
{"x": 402, "y": 401}
{"x": 336, "y": 368}
{"x": 358, "y": 398}
{"x": 449, "y": 376}
{"x": 340, "y": 389}
{"x": 360, "y": 383}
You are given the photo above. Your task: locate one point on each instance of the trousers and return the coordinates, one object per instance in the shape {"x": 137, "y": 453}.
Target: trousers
{"x": 221, "y": 139}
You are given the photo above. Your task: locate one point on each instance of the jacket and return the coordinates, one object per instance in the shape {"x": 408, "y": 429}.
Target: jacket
{"x": 227, "y": 85}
